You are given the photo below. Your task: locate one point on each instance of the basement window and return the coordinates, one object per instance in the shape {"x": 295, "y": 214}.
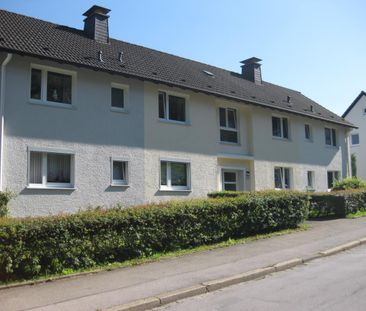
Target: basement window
{"x": 119, "y": 172}
{"x": 310, "y": 180}
{"x": 282, "y": 178}
{"x": 174, "y": 175}
{"x": 332, "y": 176}
{"x": 52, "y": 170}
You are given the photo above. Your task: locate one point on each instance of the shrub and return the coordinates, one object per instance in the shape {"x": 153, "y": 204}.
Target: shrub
{"x": 226, "y": 194}
{"x": 349, "y": 183}
{"x": 5, "y": 197}
{"x": 35, "y": 246}
{"x": 326, "y": 205}
{"x": 337, "y": 203}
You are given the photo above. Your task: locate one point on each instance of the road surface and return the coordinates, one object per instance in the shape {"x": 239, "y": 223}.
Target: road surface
{"x": 332, "y": 283}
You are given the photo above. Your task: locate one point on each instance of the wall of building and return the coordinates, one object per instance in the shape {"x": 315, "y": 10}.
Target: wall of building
{"x": 297, "y": 153}
{"x": 357, "y": 116}
{"x": 91, "y": 130}
{"x": 94, "y": 133}
{"x": 198, "y": 142}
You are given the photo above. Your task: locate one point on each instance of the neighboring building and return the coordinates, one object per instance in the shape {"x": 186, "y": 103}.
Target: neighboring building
{"x": 90, "y": 120}
{"x": 356, "y": 113}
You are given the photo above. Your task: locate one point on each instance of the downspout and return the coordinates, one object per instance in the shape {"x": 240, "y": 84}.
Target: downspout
{"x": 2, "y": 105}
{"x": 349, "y": 164}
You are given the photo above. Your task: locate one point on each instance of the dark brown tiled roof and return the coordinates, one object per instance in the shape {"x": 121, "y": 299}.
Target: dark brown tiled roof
{"x": 29, "y": 36}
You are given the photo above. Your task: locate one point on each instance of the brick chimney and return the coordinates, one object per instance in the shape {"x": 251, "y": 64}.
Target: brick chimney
{"x": 96, "y": 23}
{"x": 251, "y": 70}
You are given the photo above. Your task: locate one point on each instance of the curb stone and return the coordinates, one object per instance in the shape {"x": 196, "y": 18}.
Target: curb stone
{"x": 168, "y": 297}
{"x": 340, "y": 248}
{"x": 181, "y": 293}
{"x": 238, "y": 278}
{"x": 312, "y": 257}
{"x": 288, "y": 264}
{"x": 138, "y": 305}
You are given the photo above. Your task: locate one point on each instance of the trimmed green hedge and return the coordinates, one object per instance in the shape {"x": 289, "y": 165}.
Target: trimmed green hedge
{"x": 225, "y": 194}
{"x": 338, "y": 203}
{"x": 349, "y": 183}
{"x": 321, "y": 204}
{"x": 5, "y": 197}
{"x": 38, "y": 246}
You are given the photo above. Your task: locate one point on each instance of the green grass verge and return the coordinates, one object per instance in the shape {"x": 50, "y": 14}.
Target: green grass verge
{"x": 356, "y": 215}
{"x": 157, "y": 257}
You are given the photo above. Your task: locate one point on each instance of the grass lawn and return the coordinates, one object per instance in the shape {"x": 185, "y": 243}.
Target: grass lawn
{"x": 356, "y": 215}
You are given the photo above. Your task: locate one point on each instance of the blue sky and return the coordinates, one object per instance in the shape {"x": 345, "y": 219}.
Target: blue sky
{"x": 316, "y": 46}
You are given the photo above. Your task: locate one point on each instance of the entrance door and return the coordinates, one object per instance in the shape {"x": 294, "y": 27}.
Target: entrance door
{"x": 229, "y": 180}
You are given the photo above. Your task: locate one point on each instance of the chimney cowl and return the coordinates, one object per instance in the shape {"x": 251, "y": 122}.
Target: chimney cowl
{"x": 251, "y": 70}
{"x": 96, "y": 23}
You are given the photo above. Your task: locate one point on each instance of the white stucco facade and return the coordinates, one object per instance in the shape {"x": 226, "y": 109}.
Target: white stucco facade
{"x": 357, "y": 116}
{"x": 94, "y": 133}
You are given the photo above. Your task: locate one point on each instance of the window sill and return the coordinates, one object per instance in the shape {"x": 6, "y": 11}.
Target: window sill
{"x": 52, "y": 104}
{"x": 332, "y": 147}
{"x": 50, "y": 188}
{"x": 174, "y": 190}
{"x": 174, "y": 122}
{"x": 281, "y": 138}
{"x": 119, "y": 185}
{"x": 120, "y": 110}
{"x": 229, "y": 143}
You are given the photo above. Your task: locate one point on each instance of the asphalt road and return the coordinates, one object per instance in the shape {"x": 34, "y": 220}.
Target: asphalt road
{"x": 332, "y": 283}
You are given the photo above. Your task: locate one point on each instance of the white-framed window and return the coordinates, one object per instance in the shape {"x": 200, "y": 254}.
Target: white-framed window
{"x": 355, "y": 139}
{"x": 308, "y": 132}
{"x": 282, "y": 178}
{"x": 172, "y": 107}
{"x": 175, "y": 175}
{"x": 330, "y": 136}
{"x": 310, "y": 180}
{"x": 280, "y": 127}
{"x": 229, "y": 180}
{"x": 52, "y": 86}
{"x": 119, "y": 172}
{"x": 119, "y": 97}
{"x": 228, "y": 125}
{"x": 332, "y": 176}
{"x": 48, "y": 168}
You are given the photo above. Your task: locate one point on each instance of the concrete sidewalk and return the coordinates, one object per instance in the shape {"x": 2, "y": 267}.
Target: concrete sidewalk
{"x": 104, "y": 289}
